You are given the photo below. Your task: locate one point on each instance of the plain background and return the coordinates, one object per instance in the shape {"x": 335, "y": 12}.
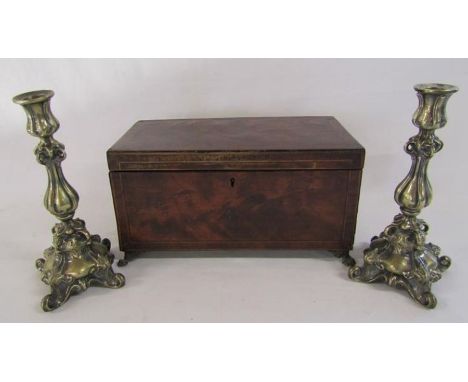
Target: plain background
{"x": 98, "y": 100}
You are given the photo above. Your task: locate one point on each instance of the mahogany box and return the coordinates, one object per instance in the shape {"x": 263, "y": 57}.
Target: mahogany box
{"x": 266, "y": 183}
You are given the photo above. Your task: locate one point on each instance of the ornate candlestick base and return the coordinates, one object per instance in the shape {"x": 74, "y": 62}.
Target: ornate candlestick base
{"x": 76, "y": 260}
{"x": 400, "y": 256}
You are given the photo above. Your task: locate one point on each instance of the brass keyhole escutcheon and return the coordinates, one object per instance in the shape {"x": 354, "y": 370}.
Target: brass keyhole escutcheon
{"x": 232, "y": 181}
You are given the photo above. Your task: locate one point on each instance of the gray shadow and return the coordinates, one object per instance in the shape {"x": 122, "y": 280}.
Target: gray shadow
{"x": 238, "y": 253}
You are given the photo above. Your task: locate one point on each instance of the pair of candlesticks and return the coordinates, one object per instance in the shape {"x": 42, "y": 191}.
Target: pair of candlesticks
{"x": 399, "y": 256}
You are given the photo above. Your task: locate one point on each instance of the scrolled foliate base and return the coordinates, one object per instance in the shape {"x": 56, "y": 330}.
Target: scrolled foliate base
{"x": 401, "y": 258}
{"x": 76, "y": 261}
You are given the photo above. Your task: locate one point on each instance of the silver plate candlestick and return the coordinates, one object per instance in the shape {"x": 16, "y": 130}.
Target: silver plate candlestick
{"x": 76, "y": 260}
{"x": 400, "y": 255}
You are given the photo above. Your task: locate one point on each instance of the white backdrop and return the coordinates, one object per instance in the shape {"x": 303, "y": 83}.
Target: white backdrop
{"x": 97, "y": 100}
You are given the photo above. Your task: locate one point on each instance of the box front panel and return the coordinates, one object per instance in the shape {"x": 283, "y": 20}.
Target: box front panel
{"x": 231, "y": 209}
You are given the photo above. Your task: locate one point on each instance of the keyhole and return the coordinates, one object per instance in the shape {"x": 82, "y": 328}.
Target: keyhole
{"x": 232, "y": 182}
